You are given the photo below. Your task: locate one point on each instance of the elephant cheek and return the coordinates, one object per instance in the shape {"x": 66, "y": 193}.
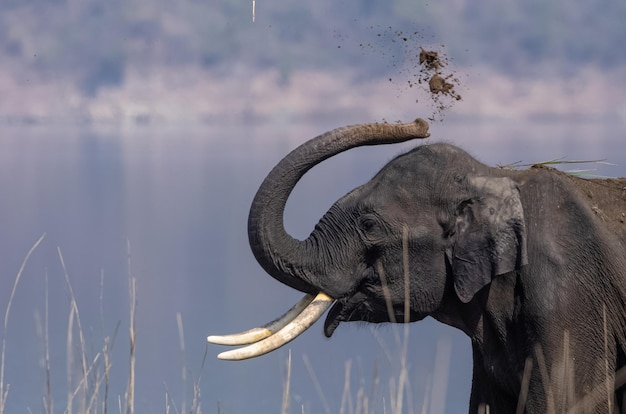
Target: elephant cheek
{"x": 428, "y": 295}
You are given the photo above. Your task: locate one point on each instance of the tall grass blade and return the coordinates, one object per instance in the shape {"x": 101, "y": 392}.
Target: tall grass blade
{"x": 132, "y": 291}
{"x": 403, "y": 377}
{"x": 346, "y": 402}
{"x": 523, "y": 395}
{"x": 196, "y": 406}
{"x": 81, "y": 337}
{"x": 286, "y": 388}
{"x": 440, "y": 377}
{"x": 48, "y": 399}
{"x": 316, "y": 383}
{"x": 545, "y": 379}
{"x": 183, "y": 357}
{"x": 4, "y": 392}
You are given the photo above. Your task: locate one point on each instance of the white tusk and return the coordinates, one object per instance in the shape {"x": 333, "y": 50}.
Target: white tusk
{"x": 256, "y": 334}
{"x": 299, "y": 324}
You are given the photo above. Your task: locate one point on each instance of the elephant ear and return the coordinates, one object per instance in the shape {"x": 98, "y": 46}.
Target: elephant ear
{"x": 489, "y": 235}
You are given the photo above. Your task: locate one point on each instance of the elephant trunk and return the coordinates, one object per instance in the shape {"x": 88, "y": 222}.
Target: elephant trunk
{"x": 294, "y": 262}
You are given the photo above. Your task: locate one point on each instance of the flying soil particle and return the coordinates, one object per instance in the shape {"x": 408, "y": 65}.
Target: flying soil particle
{"x": 416, "y": 67}
{"x": 430, "y": 60}
{"x": 437, "y": 84}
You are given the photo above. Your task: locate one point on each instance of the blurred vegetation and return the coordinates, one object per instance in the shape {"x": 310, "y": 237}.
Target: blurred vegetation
{"x": 94, "y": 41}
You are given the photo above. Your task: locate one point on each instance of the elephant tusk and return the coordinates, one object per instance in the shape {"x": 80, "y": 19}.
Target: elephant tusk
{"x": 256, "y": 334}
{"x": 288, "y": 333}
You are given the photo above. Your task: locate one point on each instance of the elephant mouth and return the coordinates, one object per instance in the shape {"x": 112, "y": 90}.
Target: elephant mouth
{"x": 347, "y": 309}
{"x": 361, "y": 307}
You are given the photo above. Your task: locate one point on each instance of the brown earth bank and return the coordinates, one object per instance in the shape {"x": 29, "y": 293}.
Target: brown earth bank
{"x": 606, "y": 196}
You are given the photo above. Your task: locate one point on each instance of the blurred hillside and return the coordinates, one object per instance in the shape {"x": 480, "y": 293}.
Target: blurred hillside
{"x": 95, "y": 60}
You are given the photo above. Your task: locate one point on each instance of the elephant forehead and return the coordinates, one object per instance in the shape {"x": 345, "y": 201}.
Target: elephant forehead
{"x": 403, "y": 201}
{"x": 392, "y": 198}
{"x": 403, "y": 182}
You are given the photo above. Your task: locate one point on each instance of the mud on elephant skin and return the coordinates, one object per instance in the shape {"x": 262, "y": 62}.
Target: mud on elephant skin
{"x": 530, "y": 264}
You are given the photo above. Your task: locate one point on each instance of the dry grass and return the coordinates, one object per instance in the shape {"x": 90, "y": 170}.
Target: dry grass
{"x": 88, "y": 377}
{"x": 286, "y": 387}
{"x": 5, "y": 391}
{"x": 559, "y": 162}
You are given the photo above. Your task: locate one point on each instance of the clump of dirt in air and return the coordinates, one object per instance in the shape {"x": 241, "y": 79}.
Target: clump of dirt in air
{"x": 430, "y": 59}
{"x": 437, "y": 84}
{"x": 440, "y": 85}
{"x": 413, "y": 64}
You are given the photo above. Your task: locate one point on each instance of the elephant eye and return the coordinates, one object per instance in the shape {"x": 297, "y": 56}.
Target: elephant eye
{"x": 371, "y": 228}
{"x": 368, "y": 224}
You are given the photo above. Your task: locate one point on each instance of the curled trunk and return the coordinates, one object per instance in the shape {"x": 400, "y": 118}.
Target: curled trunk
{"x": 291, "y": 261}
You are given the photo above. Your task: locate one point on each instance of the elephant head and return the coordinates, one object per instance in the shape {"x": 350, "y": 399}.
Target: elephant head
{"x": 430, "y": 229}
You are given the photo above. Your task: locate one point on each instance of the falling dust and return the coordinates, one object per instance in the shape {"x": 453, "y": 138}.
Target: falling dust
{"x": 415, "y": 66}
{"x": 430, "y": 62}
{"x": 427, "y": 69}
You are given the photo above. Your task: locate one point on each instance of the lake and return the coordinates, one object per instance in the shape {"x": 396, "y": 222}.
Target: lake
{"x": 168, "y": 207}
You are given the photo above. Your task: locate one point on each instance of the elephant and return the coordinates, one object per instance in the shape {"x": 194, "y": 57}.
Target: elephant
{"x": 530, "y": 264}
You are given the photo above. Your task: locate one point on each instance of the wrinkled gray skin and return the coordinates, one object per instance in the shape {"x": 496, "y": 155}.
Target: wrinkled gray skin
{"x": 518, "y": 260}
